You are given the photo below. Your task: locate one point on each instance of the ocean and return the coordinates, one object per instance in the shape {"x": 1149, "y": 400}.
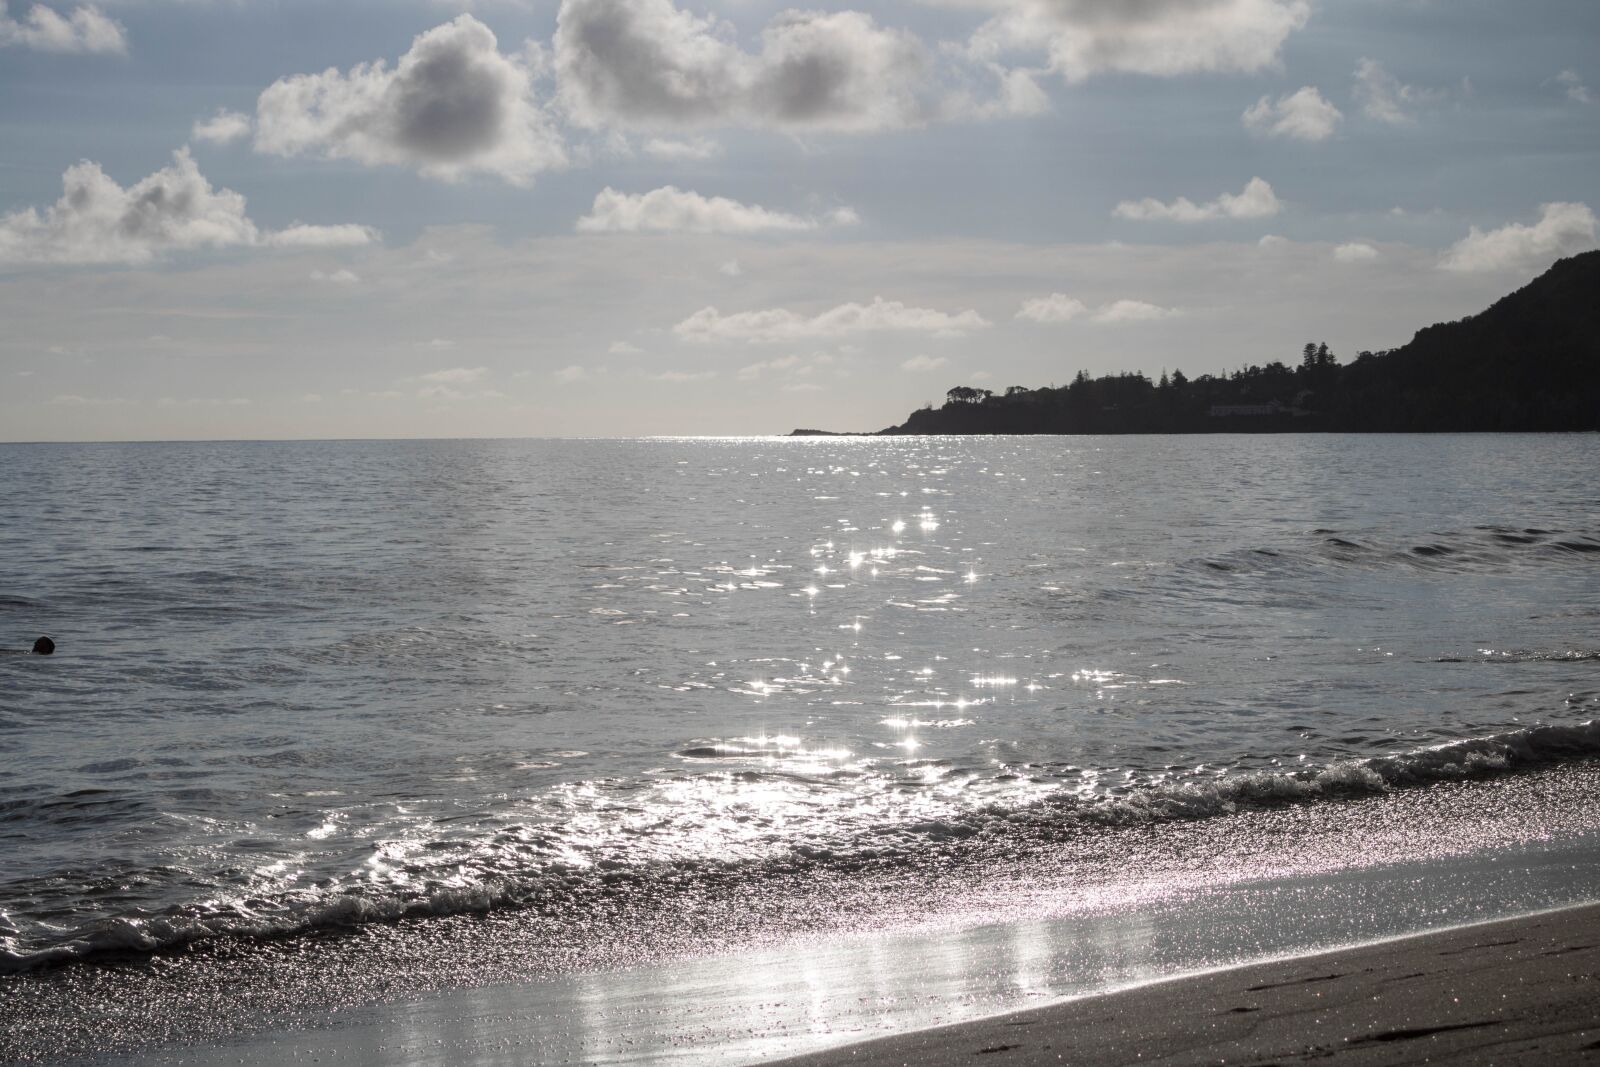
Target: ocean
{"x": 433, "y": 714}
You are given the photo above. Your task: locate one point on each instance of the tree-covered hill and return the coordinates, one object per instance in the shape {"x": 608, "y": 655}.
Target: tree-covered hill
{"x": 1530, "y": 362}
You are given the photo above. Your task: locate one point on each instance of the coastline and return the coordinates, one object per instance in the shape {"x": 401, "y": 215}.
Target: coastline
{"x": 1012, "y": 941}
{"x": 1508, "y": 991}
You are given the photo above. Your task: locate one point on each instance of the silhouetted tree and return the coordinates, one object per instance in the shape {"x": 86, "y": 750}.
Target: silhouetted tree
{"x": 1530, "y": 362}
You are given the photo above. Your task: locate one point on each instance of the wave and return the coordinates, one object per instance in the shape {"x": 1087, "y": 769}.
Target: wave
{"x": 557, "y": 887}
{"x": 1490, "y": 655}
{"x": 1482, "y": 547}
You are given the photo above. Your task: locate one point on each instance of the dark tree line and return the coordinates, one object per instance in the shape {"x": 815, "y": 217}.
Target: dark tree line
{"x": 1531, "y": 362}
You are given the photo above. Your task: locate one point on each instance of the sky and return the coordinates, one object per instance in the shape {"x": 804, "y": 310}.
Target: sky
{"x": 421, "y": 218}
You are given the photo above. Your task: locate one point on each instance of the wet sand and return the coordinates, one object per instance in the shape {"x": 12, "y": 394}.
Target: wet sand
{"x": 1286, "y": 884}
{"x": 1516, "y": 991}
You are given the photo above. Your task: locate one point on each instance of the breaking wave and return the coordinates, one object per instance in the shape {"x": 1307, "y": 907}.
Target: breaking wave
{"x": 555, "y": 886}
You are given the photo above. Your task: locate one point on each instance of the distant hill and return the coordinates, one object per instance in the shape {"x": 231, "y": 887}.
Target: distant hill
{"x": 1531, "y": 362}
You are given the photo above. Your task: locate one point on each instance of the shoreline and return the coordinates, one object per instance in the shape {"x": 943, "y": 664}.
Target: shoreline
{"x": 1510, "y": 990}
{"x": 813, "y": 997}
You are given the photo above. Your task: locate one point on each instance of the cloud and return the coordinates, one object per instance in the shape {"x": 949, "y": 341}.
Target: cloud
{"x": 683, "y": 376}
{"x": 922, "y": 363}
{"x": 731, "y": 268}
{"x": 780, "y": 324}
{"x": 1303, "y": 115}
{"x": 1386, "y": 98}
{"x": 1577, "y": 92}
{"x": 205, "y": 402}
{"x": 791, "y": 366}
{"x": 224, "y": 127}
{"x": 1134, "y": 311}
{"x": 623, "y": 348}
{"x": 569, "y": 374}
{"x": 338, "y": 277}
{"x": 341, "y": 235}
{"x": 74, "y": 400}
{"x": 672, "y": 151}
{"x": 175, "y": 209}
{"x": 453, "y": 105}
{"x": 445, "y": 393}
{"x": 649, "y": 63}
{"x": 43, "y": 29}
{"x": 454, "y": 375}
{"x": 1057, "y": 307}
{"x": 1355, "y": 252}
{"x": 1562, "y": 229}
{"x": 673, "y": 210}
{"x": 1083, "y": 38}
{"x": 755, "y": 370}
{"x": 1255, "y": 201}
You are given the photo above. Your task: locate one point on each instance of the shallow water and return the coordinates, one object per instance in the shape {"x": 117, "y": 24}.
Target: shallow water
{"x": 310, "y": 684}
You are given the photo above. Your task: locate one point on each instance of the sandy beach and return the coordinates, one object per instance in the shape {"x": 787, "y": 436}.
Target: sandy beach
{"x": 1107, "y": 979}
{"x": 1522, "y": 990}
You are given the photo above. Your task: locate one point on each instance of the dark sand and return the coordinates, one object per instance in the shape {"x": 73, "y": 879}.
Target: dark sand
{"x": 1518, "y": 991}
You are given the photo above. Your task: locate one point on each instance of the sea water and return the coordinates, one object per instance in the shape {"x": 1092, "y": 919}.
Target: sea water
{"x": 318, "y": 686}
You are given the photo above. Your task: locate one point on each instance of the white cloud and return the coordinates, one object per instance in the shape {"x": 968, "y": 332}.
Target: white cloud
{"x": 623, "y": 348}
{"x": 453, "y": 105}
{"x": 1057, "y": 307}
{"x": 454, "y": 375}
{"x": 1562, "y": 229}
{"x": 1355, "y": 252}
{"x": 673, "y": 210}
{"x": 790, "y": 364}
{"x": 1164, "y": 38}
{"x": 1577, "y": 92}
{"x": 342, "y": 235}
{"x": 1134, "y": 311}
{"x": 924, "y": 363}
{"x": 439, "y": 344}
{"x": 569, "y": 374}
{"x": 683, "y": 376}
{"x": 802, "y": 387}
{"x": 338, "y": 277}
{"x": 1273, "y": 240}
{"x": 986, "y": 89}
{"x": 224, "y": 127}
{"x": 650, "y": 63}
{"x": 781, "y": 324}
{"x": 1255, "y": 201}
{"x": 175, "y": 209}
{"x": 674, "y": 151}
{"x": 1303, "y": 115}
{"x": 1386, "y": 98}
{"x": 731, "y": 268}
{"x": 43, "y": 29}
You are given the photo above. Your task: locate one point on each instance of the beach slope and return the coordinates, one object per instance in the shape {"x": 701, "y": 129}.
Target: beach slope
{"x": 1518, "y": 991}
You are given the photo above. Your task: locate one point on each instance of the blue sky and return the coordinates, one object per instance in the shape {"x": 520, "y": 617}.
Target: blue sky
{"x": 576, "y": 217}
